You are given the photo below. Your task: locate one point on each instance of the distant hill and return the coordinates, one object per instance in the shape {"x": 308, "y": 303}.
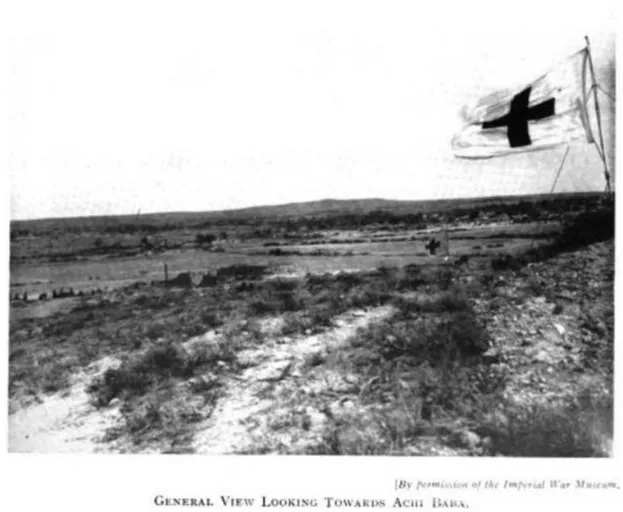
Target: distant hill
{"x": 321, "y": 208}
{"x": 329, "y": 207}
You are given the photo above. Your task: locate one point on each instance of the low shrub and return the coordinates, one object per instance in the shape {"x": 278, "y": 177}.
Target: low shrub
{"x": 443, "y": 302}
{"x": 135, "y": 376}
{"x": 506, "y": 262}
{"x": 550, "y": 430}
{"x": 440, "y": 338}
{"x": 242, "y": 271}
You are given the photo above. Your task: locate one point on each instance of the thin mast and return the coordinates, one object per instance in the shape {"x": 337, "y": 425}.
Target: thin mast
{"x": 598, "y": 116}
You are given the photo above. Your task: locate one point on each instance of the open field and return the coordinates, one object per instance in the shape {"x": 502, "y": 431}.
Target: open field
{"x": 325, "y": 329}
{"x": 345, "y": 251}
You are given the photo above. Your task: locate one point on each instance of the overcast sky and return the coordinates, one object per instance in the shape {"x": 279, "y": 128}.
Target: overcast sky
{"x": 203, "y": 105}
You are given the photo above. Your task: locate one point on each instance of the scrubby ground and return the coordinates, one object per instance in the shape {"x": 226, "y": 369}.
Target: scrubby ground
{"x": 64, "y": 422}
{"x": 510, "y": 355}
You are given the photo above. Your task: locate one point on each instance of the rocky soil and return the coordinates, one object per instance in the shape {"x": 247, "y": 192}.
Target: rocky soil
{"x": 551, "y": 326}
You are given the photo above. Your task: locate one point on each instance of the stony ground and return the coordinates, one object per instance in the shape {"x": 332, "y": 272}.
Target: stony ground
{"x": 277, "y": 402}
{"x": 551, "y": 330}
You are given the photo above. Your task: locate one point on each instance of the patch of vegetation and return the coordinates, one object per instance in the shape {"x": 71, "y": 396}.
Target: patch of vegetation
{"x": 387, "y": 431}
{"x": 242, "y": 272}
{"x": 569, "y": 429}
{"x": 448, "y": 301}
{"x": 421, "y": 368}
{"x": 157, "y": 364}
{"x": 164, "y": 419}
{"x": 587, "y": 228}
{"x": 132, "y": 319}
{"x": 506, "y": 262}
{"x": 137, "y": 374}
{"x": 205, "y": 239}
{"x": 579, "y": 231}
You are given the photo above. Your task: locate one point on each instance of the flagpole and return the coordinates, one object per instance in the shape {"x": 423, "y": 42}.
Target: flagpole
{"x": 551, "y": 191}
{"x": 601, "y": 147}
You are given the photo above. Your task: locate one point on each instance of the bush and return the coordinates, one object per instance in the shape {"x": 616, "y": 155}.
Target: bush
{"x": 369, "y": 296}
{"x": 505, "y": 262}
{"x": 281, "y": 284}
{"x": 439, "y": 339}
{"x": 211, "y": 319}
{"x": 275, "y": 301}
{"x": 136, "y": 375}
{"x": 444, "y": 302}
{"x": 410, "y": 278}
{"x": 535, "y": 286}
{"x": 242, "y": 271}
{"x": 321, "y": 316}
{"x": 296, "y": 324}
{"x": 587, "y": 228}
{"x": 114, "y": 382}
{"x": 155, "y": 331}
{"x": 315, "y": 281}
{"x": 205, "y": 239}
{"x": 550, "y": 430}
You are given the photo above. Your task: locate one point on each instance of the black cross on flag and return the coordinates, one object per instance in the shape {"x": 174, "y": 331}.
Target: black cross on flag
{"x": 517, "y": 119}
{"x": 543, "y": 114}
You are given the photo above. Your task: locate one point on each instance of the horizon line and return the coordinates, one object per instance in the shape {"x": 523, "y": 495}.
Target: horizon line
{"x": 277, "y": 205}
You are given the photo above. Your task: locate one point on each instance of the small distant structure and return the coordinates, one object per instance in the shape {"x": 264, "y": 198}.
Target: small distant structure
{"x": 192, "y": 279}
{"x": 185, "y": 280}
{"x": 432, "y": 246}
{"x": 62, "y": 293}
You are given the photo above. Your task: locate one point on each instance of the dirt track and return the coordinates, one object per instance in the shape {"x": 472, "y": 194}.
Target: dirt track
{"x": 65, "y": 422}
{"x": 68, "y": 423}
{"x": 262, "y": 394}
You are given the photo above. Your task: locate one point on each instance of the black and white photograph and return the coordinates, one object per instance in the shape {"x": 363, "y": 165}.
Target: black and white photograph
{"x": 312, "y": 228}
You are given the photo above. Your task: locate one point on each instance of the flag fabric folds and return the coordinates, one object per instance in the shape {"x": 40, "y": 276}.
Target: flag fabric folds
{"x": 543, "y": 114}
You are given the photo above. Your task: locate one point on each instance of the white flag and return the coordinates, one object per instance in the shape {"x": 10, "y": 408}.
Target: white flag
{"x": 547, "y": 112}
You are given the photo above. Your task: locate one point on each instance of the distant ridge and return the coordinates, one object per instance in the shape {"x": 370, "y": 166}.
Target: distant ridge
{"x": 319, "y": 208}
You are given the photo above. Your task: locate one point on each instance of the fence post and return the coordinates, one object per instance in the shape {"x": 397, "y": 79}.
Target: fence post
{"x": 166, "y": 273}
